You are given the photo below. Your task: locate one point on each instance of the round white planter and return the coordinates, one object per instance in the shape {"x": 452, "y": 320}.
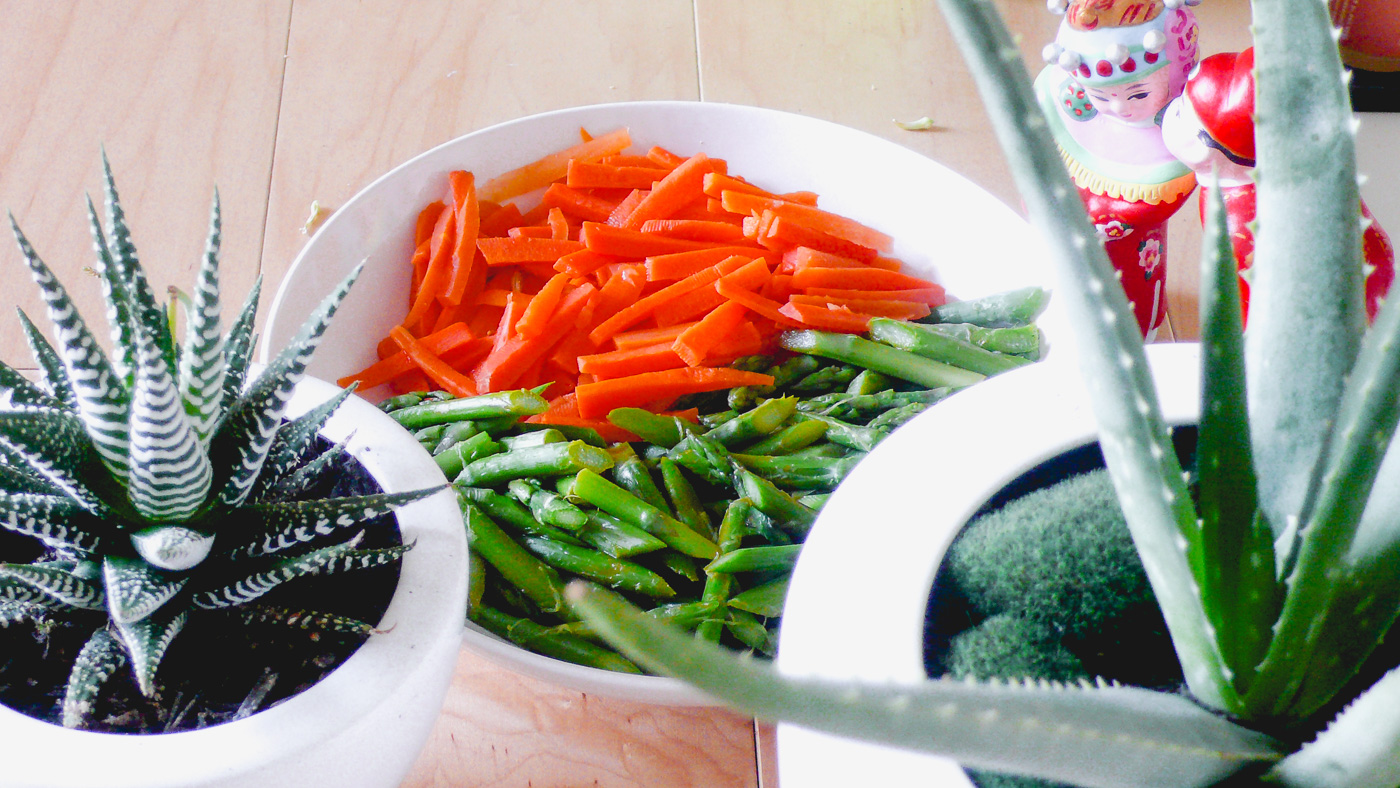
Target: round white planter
{"x": 885, "y": 531}
{"x": 363, "y": 725}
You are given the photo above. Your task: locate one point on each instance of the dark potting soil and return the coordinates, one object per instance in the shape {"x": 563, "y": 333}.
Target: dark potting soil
{"x": 218, "y": 668}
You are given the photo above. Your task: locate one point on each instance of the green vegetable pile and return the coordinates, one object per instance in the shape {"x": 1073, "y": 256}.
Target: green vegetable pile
{"x": 700, "y": 523}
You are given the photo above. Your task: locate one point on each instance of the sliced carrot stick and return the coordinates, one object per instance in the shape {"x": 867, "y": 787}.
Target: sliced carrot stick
{"x": 578, "y": 204}
{"x": 706, "y": 339}
{"x": 558, "y": 225}
{"x": 695, "y": 229}
{"x": 620, "y": 290}
{"x": 541, "y": 309}
{"x": 827, "y": 319}
{"x": 419, "y": 268}
{"x": 671, "y": 193}
{"x": 499, "y": 223}
{"x": 463, "y": 273}
{"x": 606, "y": 239}
{"x": 591, "y": 175}
{"x": 803, "y": 256}
{"x": 695, "y": 304}
{"x": 783, "y": 232}
{"x": 833, "y": 224}
{"x": 439, "y": 260}
{"x": 532, "y": 231}
{"x": 857, "y": 279}
{"x": 551, "y": 167}
{"x": 632, "y": 361}
{"x": 427, "y": 220}
{"x": 398, "y": 362}
{"x": 510, "y": 359}
{"x": 639, "y": 310}
{"x": 625, "y": 207}
{"x": 679, "y": 265}
{"x": 932, "y": 295}
{"x": 451, "y": 381}
{"x": 716, "y": 183}
{"x": 664, "y": 158}
{"x": 597, "y": 399}
{"x": 898, "y": 310}
{"x": 756, "y": 303}
{"x": 582, "y": 263}
{"x": 501, "y": 251}
{"x": 641, "y": 337}
{"x": 631, "y": 160}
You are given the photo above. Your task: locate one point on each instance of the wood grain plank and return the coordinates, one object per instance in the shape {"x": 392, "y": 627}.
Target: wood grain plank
{"x": 183, "y": 95}
{"x": 370, "y": 89}
{"x": 501, "y": 729}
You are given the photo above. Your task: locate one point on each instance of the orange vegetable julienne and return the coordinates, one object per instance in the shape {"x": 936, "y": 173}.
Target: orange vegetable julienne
{"x": 706, "y": 339}
{"x": 597, "y": 399}
{"x": 440, "y": 372}
{"x": 398, "y": 363}
{"x": 680, "y": 186}
{"x": 827, "y": 318}
{"x": 501, "y": 251}
{"x": 932, "y": 295}
{"x": 551, "y": 167}
{"x": 632, "y": 361}
{"x": 638, "y": 310}
{"x": 856, "y": 279}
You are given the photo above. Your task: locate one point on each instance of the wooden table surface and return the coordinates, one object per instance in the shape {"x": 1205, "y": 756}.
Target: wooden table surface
{"x": 286, "y": 102}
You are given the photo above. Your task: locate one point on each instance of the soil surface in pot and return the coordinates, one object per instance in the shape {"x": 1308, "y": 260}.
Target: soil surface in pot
{"x": 220, "y": 667}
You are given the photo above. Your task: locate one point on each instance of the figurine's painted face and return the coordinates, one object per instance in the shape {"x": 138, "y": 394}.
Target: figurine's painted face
{"x": 1135, "y": 102}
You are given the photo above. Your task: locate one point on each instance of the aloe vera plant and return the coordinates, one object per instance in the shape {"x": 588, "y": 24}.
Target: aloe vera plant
{"x": 162, "y": 480}
{"x": 1276, "y": 573}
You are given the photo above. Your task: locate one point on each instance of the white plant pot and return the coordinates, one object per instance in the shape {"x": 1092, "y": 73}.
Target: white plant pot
{"x": 363, "y": 725}
{"x": 856, "y": 605}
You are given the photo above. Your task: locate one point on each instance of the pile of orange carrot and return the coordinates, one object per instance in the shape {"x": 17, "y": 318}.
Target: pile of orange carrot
{"x": 633, "y": 280}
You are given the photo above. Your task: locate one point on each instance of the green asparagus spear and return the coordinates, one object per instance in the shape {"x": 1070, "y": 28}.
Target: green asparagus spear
{"x": 756, "y": 559}
{"x": 550, "y": 459}
{"x": 455, "y": 433}
{"x": 882, "y": 358}
{"x": 539, "y": 638}
{"x": 1011, "y": 308}
{"x": 801, "y": 473}
{"x": 719, "y": 584}
{"x": 633, "y": 475}
{"x": 618, "y": 502}
{"x": 765, "y": 600}
{"x": 517, "y": 404}
{"x": 537, "y": 580}
{"x": 651, "y": 427}
{"x": 941, "y": 347}
{"x": 457, "y": 456}
{"x": 616, "y": 537}
{"x": 767, "y": 498}
{"x": 547, "y": 506}
{"x": 792, "y": 438}
{"x": 533, "y": 438}
{"x": 754, "y": 424}
{"x": 1020, "y": 340}
{"x": 685, "y": 501}
{"x": 506, "y": 510}
{"x": 593, "y": 565}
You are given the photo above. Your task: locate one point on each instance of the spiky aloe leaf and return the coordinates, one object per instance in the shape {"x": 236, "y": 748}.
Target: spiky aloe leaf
{"x": 135, "y": 589}
{"x": 52, "y": 519}
{"x": 146, "y": 641}
{"x": 171, "y": 474}
{"x": 1313, "y": 433}
{"x": 297, "y": 437}
{"x": 146, "y": 312}
{"x": 238, "y": 347}
{"x": 254, "y": 585}
{"x": 100, "y": 657}
{"x": 16, "y": 475}
{"x": 243, "y": 440}
{"x": 309, "y": 620}
{"x": 287, "y": 524}
{"x": 54, "y": 445}
{"x": 100, "y": 400}
{"x": 1136, "y": 445}
{"x": 202, "y": 364}
{"x": 120, "y": 321}
{"x": 356, "y": 560}
{"x": 1360, "y": 749}
{"x": 52, "y": 376}
{"x": 1235, "y": 563}
{"x": 16, "y": 389}
{"x": 1307, "y": 286}
{"x": 58, "y": 583}
{"x": 1111, "y": 736}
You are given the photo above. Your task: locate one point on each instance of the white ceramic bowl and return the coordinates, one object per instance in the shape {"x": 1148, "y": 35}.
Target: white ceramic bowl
{"x": 905, "y": 495}
{"x": 944, "y": 227}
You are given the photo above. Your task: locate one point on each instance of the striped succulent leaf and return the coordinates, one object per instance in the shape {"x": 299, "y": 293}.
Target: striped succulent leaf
{"x": 102, "y": 402}
{"x": 136, "y": 589}
{"x": 145, "y": 309}
{"x": 120, "y": 321}
{"x": 100, "y": 657}
{"x": 12, "y": 612}
{"x": 53, "y": 519}
{"x": 202, "y": 363}
{"x": 297, "y": 438}
{"x": 284, "y": 525}
{"x": 53, "y": 444}
{"x": 252, "y": 586}
{"x": 238, "y": 349}
{"x": 304, "y": 476}
{"x": 58, "y": 583}
{"x": 356, "y": 560}
{"x": 52, "y": 376}
{"x": 16, "y": 389}
{"x": 309, "y": 620}
{"x": 243, "y": 440}
{"x": 146, "y": 641}
{"x": 170, "y": 472}
{"x": 17, "y": 477}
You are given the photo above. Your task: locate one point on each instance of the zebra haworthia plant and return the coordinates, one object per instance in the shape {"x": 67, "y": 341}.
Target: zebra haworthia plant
{"x": 161, "y": 480}
{"x": 1276, "y": 574}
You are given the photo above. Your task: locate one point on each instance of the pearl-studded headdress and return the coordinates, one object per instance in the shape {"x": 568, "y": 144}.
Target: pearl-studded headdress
{"x": 1105, "y": 42}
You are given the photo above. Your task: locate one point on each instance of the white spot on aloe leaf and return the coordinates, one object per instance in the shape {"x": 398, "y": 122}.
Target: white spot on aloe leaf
{"x": 172, "y": 547}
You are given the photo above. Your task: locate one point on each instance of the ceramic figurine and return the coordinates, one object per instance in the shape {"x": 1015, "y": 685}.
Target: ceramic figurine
{"x": 1113, "y": 68}
{"x": 1211, "y": 127}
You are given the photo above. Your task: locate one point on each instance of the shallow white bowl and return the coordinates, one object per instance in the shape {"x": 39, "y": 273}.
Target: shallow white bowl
{"x": 945, "y": 228}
